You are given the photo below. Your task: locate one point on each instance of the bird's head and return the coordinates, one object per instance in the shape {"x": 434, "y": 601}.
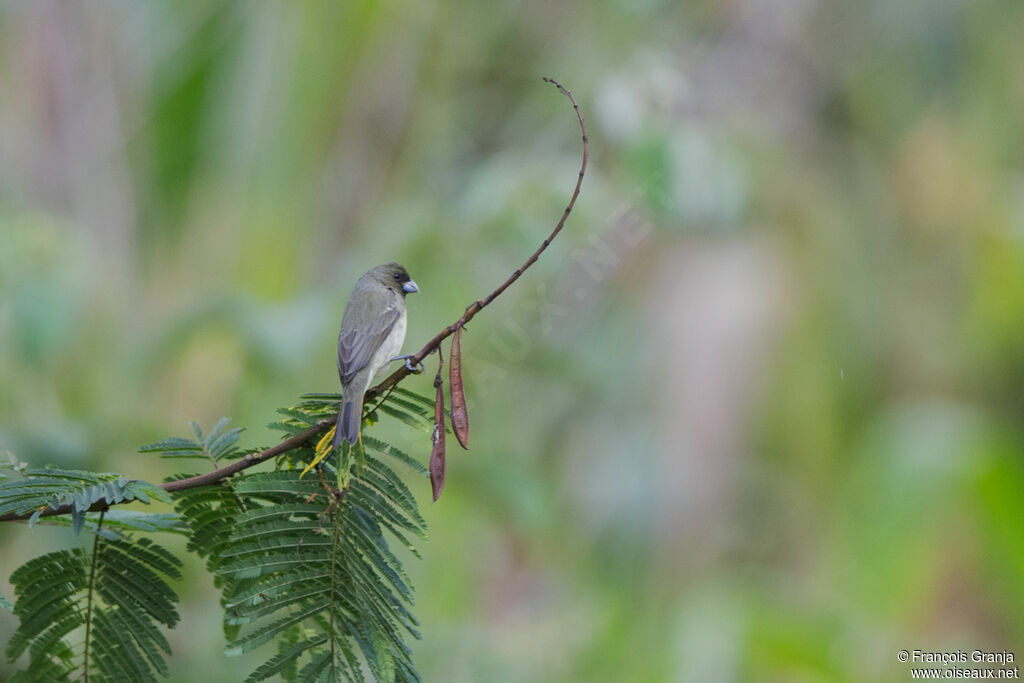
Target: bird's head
{"x": 395, "y": 276}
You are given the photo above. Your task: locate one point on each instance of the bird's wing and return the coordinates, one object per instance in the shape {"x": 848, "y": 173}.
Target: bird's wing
{"x": 357, "y": 343}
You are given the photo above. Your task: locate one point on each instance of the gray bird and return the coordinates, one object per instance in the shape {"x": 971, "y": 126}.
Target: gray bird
{"x": 372, "y": 332}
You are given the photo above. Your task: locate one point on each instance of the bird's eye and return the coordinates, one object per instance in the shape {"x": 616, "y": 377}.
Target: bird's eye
{"x": 398, "y": 276}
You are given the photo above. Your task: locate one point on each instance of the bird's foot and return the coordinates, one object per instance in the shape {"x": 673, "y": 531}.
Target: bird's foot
{"x": 416, "y": 369}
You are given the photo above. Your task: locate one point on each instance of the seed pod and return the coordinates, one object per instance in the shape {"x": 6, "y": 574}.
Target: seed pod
{"x": 437, "y": 454}
{"x": 460, "y": 416}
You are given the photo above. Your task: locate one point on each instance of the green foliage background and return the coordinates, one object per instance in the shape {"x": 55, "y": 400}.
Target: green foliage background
{"x": 755, "y": 415}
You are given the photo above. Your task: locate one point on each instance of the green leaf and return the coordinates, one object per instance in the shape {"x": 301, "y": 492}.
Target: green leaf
{"x": 267, "y": 633}
{"x": 217, "y": 445}
{"x": 412, "y": 419}
{"x": 43, "y": 488}
{"x": 277, "y": 584}
{"x": 386, "y": 449}
{"x": 304, "y": 571}
{"x": 136, "y": 520}
{"x": 286, "y": 427}
{"x": 116, "y": 523}
{"x": 299, "y": 416}
{"x": 175, "y": 447}
{"x": 384, "y": 662}
{"x": 425, "y": 401}
{"x": 285, "y": 658}
{"x": 115, "y": 596}
{"x": 411, "y": 406}
{"x": 143, "y": 490}
{"x": 287, "y": 482}
{"x": 307, "y": 571}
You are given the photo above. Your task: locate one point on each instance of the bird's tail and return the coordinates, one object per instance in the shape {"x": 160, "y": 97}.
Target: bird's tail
{"x": 349, "y": 418}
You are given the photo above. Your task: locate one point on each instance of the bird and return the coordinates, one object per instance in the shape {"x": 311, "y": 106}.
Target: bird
{"x": 371, "y": 335}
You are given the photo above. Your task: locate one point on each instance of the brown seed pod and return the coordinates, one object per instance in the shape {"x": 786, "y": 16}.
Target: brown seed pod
{"x": 437, "y": 453}
{"x": 460, "y": 416}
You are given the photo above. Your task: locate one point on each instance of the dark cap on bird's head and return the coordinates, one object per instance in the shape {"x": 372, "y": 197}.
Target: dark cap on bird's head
{"x": 395, "y": 276}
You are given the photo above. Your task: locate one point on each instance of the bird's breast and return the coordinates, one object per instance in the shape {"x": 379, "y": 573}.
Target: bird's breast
{"x": 391, "y": 346}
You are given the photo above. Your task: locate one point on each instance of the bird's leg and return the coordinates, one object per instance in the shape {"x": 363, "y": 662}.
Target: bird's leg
{"x": 417, "y": 369}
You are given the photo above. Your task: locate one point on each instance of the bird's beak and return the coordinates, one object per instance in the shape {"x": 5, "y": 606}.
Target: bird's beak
{"x": 410, "y": 287}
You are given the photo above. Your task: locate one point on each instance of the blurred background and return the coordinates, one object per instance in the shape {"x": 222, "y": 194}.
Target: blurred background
{"x": 756, "y": 415}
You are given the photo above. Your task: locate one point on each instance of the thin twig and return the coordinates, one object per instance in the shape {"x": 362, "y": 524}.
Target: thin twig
{"x": 379, "y": 403}
{"x": 210, "y": 478}
{"x": 222, "y": 473}
{"x": 478, "y": 305}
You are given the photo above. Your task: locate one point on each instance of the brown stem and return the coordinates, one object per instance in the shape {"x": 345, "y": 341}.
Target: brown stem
{"x": 210, "y": 478}
{"x": 402, "y": 372}
{"x": 220, "y": 474}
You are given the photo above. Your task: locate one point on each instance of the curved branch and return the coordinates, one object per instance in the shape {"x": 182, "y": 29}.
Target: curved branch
{"x": 209, "y": 479}
{"x": 220, "y": 474}
{"x": 475, "y": 307}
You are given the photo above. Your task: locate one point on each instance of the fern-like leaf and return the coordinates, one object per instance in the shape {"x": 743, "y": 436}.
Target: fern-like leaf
{"x": 117, "y": 594}
{"x": 209, "y": 513}
{"x": 319, "y": 577}
{"x": 215, "y": 446}
{"x": 306, "y": 569}
{"x": 41, "y": 488}
{"x": 385, "y": 448}
{"x": 118, "y": 523}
